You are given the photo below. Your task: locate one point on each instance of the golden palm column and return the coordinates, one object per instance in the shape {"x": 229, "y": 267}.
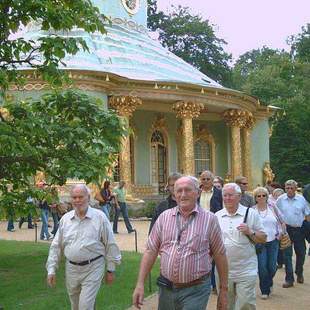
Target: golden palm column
{"x": 235, "y": 119}
{"x": 186, "y": 111}
{"x": 125, "y": 106}
{"x": 246, "y": 133}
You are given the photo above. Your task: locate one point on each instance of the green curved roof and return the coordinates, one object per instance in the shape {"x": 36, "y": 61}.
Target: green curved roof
{"x": 132, "y": 54}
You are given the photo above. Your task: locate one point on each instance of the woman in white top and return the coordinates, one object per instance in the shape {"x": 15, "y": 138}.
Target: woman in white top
{"x": 267, "y": 256}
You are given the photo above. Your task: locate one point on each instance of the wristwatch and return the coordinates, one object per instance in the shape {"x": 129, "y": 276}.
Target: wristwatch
{"x": 253, "y": 234}
{"x": 109, "y": 271}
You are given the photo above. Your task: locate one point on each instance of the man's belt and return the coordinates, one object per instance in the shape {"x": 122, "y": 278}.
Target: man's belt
{"x": 85, "y": 262}
{"x": 162, "y": 281}
{"x": 192, "y": 283}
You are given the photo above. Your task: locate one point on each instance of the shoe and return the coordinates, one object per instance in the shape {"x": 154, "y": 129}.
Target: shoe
{"x": 287, "y": 284}
{"x": 131, "y": 231}
{"x": 31, "y": 227}
{"x": 115, "y": 232}
{"x": 20, "y": 225}
{"x": 214, "y": 291}
{"x": 11, "y": 230}
{"x": 300, "y": 279}
{"x": 279, "y": 266}
{"x": 264, "y": 296}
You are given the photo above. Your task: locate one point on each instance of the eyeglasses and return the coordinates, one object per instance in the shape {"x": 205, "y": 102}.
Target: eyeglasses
{"x": 205, "y": 179}
{"x": 244, "y": 183}
{"x": 260, "y": 196}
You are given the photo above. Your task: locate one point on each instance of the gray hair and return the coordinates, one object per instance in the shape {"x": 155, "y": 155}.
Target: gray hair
{"x": 209, "y": 173}
{"x": 174, "y": 176}
{"x": 278, "y": 190}
{"x": 234, "y": 186}
{"x": 291, "y": 182}
{"x": 260, "y": 189}
{"x": 83, "y": 187}
{"x": 193, "y": 180}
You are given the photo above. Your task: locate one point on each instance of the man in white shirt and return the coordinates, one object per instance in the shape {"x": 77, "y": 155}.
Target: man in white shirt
{"x": 242, "y": 259}
{"x": 295, "y": 210}
{"x": 85, "y": 237}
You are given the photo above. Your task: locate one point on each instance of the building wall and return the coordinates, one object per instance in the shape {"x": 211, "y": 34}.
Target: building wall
{"x": 260, "y": 150}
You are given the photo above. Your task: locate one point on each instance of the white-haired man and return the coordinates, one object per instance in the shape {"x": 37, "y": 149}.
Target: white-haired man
{"x": 295, "y": 209}
{"x": 85, "y": 237}
{"x": 185, "y": 237}
{"x": 242, "y": 259}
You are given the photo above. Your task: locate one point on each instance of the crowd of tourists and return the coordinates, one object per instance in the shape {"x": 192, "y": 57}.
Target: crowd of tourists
{"x": 254, "y": 235}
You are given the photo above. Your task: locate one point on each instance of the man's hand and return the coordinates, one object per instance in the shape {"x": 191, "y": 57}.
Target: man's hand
{"x": 244, "y": 228}
{"x": 138, "y": 296}
{"x": 51, "y": 280}
{"x": 222, "y": 300}
{"x": 109, "y": 278}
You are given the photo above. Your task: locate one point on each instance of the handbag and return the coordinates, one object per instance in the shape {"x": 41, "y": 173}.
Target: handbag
{"x": 98, "y": 197}
{"x": 285, "y": 241}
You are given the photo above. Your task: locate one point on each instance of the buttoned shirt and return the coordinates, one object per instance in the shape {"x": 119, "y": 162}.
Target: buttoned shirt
{"x": 241, "y": 255}
{"x": 247, "y": 200}
{"x": 83, "y": 239}
{"x": 293, "y": 209}
{"x": 188, "y": 258}
{"x": 205, "y": 198}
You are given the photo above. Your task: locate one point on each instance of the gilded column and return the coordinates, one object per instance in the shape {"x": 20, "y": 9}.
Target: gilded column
{"x": 187, "y": 111}
{"x": 246, "y": 137}
{"x": 125, "y": 106}
{"x": 235, "y": 119}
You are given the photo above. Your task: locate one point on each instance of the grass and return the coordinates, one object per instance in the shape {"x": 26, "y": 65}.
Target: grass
{"x": 23, "y": 280}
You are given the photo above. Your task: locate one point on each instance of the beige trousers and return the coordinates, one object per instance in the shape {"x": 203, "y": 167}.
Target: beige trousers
{"x": 241, "y": 293}
{"x": 83, "y": 283}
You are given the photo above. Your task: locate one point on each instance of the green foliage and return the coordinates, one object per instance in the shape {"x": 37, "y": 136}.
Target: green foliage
{"x": 23, "y": 280}
{"x": 193, "y": 39}
{"x": 52, "y": 18}
{"x": 63, "y": 134}
{"x": 146, "y": 211}
{"x": 282, "y": 79}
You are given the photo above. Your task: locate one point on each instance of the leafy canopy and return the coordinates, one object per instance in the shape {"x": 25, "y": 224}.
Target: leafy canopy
{"x": 193, "y": 39}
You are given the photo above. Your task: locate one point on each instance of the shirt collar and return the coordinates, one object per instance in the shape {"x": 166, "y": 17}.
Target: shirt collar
{"x": 176, "y": 210}
{"x": 289, "y": 198}
{"x": 208, "y": 191}
{"x": 89, "y": 213}
{"x": 240, "y": 211}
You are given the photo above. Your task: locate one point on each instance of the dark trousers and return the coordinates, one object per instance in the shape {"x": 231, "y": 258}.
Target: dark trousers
{"x": 23, "y": 219}
{"x": 298, "y": 239}
{"x": 124, "y": 210}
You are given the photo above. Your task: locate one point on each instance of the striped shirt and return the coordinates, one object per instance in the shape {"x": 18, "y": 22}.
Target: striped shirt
{"x": 189, "y": 258}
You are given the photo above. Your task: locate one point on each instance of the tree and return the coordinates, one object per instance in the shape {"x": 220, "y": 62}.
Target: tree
{"x": 193, "y": 39}
{"x": 282, "y": 79}
{"x": 54, "y": 18}
{"x": 63, "y": 134}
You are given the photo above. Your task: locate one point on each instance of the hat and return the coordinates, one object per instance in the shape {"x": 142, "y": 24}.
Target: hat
{"x": 306, "y": 192}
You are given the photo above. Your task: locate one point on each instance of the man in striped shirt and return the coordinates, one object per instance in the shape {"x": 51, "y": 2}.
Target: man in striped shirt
{"x": 186, "y": 237}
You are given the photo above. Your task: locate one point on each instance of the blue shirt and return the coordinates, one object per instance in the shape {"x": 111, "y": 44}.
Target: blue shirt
{"x": 293, "y": 209}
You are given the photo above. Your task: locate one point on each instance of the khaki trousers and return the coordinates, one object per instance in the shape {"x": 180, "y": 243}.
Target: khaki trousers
{"x": 242, "y": 294}
{"x": 83, "y": 283}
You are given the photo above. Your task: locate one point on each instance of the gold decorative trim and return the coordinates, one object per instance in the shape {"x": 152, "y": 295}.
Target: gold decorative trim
{"x": 187, "y": 109}
{"x": 125, "y": 105}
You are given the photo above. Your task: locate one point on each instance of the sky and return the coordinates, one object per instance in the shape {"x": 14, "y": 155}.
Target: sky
{"x": 250, "y": 24}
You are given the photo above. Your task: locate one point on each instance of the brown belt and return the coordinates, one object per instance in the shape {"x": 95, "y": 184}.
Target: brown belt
{"x": 192, "y": 283}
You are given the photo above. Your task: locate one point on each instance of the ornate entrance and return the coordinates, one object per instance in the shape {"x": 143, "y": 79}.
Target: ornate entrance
{"x": 158, "y": 160}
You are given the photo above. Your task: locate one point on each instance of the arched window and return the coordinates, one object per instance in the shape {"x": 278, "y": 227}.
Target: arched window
{"x": 158, "y": 160}
{"x": 202, "y": 151}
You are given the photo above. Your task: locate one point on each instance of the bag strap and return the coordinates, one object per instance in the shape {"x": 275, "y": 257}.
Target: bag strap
{"x": 246, "y": 215}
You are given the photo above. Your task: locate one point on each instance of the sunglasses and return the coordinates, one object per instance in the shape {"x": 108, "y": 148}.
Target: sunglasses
{"x": 206, "y": 179}
{"x": 260, "y": 196}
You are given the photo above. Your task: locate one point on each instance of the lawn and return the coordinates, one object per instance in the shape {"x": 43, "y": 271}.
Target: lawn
{"x": 23, "y": 280}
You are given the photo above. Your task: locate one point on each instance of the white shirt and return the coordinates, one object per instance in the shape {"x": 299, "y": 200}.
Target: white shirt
{"x": 241, "y": 255}
{"x": 205, "y": 199}
{"x": 84, "y": 239}
{"x": 293, "y": 209}
{"x": 270, "y": 223}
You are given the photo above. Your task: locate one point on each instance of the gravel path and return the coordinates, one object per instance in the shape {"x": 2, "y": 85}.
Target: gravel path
{"x": 296, "y": 298}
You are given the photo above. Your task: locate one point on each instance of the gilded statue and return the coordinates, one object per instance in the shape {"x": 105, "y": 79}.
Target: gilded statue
{"x": 268, "y": 173}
